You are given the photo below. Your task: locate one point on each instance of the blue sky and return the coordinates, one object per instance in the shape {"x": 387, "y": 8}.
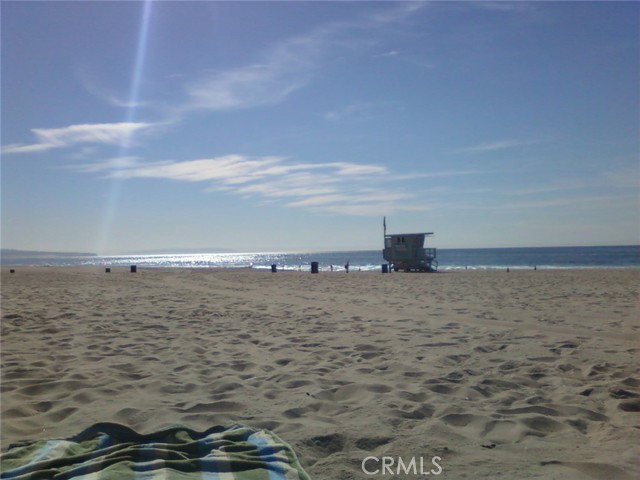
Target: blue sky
{"x": 296, "y": 126}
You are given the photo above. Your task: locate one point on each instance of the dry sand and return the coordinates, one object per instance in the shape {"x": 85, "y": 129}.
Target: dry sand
{"x": 502, "y": 375}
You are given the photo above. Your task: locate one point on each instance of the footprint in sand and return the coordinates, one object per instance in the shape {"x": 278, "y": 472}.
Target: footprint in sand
{"x": 326, "y": 445}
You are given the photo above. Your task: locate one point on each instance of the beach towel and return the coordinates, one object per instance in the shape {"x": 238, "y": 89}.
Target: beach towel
{"x": 108, "y": 451}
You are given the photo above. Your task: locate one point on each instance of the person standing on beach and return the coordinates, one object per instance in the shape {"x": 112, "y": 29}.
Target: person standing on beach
{"x": 346, "y": 267}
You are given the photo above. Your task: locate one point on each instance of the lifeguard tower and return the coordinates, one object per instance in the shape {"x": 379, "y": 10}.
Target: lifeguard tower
{"x": 406, "y": 251}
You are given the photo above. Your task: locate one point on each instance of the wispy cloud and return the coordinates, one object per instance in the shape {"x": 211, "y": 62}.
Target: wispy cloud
{"x": 97, "y": 133}
{"x": 230, "y": 169}
{"x": 493, "y": 146}
{"x": 281, "y": 70}
{"x": 504, "y": 6}
{"x": 400, "y": 12}
{"x": 20, "y": 148}
{"x": 245, "y": 87}
{"x": 340, "y": 187}
{"x": 284, "y": 68}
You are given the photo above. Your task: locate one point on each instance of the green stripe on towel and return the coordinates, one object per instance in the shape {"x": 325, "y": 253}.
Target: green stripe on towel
{"x": 108, "y": 451}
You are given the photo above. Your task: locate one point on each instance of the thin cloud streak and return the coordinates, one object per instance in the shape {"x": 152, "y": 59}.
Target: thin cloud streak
{"x": 339, "y": 187}
{"x": 404, "y": 10}
{"x": 20, "y": 148}
{"x": 492, "y": 146}
{"x": 503, "y": 6}
{"x": 246, "y": 87}
{"x": 100, "y": 133}
{"x": 284, "y": 69}
{"x": 229, "y": 169}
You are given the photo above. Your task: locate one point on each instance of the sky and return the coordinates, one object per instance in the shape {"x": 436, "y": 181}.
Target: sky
{"x": 298, "y": 126}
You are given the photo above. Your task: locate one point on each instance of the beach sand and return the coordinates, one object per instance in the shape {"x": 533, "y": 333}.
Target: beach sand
{"x": 527, "y": 374}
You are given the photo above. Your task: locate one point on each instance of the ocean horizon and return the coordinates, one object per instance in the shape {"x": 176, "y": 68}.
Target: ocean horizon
{"x": 359, "y": 260}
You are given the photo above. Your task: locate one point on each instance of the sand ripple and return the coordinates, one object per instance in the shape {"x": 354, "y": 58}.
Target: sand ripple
{"x": 526, "y": 375}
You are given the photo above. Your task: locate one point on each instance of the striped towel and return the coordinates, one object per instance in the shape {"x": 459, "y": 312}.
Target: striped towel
{"x": 108, "y": 451}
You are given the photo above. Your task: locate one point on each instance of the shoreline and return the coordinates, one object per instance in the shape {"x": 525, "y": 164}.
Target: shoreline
{"x": 306, "y": 269}
{"x": 371, "y": 260}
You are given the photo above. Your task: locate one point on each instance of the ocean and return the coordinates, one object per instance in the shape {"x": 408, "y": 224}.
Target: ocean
{"x": 368, "y": 260}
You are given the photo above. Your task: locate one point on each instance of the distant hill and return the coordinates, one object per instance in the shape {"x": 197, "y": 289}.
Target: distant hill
{"x": 13, "y": 253}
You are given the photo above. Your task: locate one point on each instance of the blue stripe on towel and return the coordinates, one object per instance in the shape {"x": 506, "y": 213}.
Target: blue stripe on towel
{"x": 265, "y": 451}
